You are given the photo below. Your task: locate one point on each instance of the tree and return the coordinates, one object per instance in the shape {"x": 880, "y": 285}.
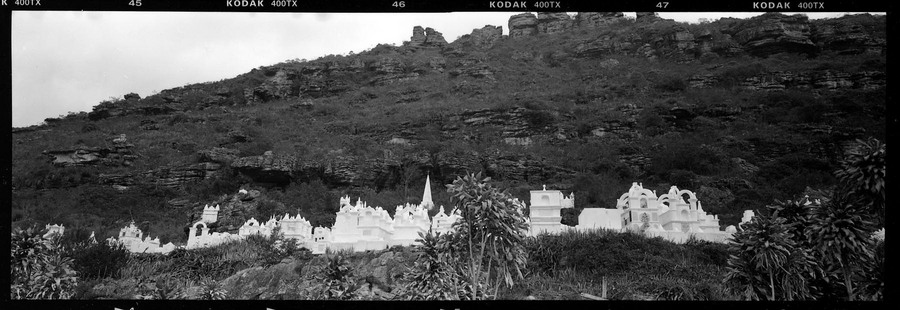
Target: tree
{"x": 492, "y": 229}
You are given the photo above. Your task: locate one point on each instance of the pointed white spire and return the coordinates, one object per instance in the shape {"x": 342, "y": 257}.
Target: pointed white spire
{"x": 426, "y": 196}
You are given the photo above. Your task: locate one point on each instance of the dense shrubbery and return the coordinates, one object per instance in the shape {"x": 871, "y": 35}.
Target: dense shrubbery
{"x": 635, "y": 266}
{"x": 815, "y": 248}
{"x": 39, "y": 268}
{"x": 98, "y": 260}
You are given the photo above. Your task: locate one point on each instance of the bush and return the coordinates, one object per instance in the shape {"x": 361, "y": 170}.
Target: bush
{"x": 99, "y": 260}
{"x": 38, "y": 268}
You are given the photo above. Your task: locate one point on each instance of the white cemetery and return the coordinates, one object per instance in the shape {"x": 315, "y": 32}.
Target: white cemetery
{"x": 669, "y": 216}
{"x": 675, "y": 216}
{"x": 357, "y": 227}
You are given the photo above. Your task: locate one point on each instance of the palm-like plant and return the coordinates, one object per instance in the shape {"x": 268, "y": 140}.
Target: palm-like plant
{"x": 768, "y": 262}
{"x": 863, "y": 171}
{"x": 843, "y": 236}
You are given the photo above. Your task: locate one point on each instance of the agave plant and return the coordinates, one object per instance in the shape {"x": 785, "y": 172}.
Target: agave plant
{"x": 843, "y": 236}
{"x": 767, "y": 262}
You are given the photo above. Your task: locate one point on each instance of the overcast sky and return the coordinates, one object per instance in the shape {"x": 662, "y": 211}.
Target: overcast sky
{"x": 70, "y": 61}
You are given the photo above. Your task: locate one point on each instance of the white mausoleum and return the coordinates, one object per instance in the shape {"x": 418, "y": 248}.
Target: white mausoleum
{"x": 545, "y": 210}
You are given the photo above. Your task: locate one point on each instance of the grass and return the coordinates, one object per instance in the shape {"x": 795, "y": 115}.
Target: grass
{"x": 564, "y": 265}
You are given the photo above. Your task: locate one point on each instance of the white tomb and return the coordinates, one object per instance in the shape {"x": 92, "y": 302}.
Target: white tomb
{"x": 296, "y": 227}
{"x": 130, "y": 236}
{"x": 210, "y": 214}
{"x": 206, "y": 239}
{"x": 443, "y": 223}
{"x": 545, "y": 210}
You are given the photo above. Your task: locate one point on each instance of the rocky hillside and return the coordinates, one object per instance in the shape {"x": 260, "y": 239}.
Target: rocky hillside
{"x": 742, "y": 111}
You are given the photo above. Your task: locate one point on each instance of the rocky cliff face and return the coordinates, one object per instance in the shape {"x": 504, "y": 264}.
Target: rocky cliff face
{"x": 777, "y": 33}
{"x": 847, "y": 37}
{"x": 760, "y": 36}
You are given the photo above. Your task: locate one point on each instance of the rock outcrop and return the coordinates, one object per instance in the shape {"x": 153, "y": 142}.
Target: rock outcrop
{"x": 646, "y": 17}
{"x": 120, "y": 154}
{"x": 131, "y": 105}
{"x": 551, "y": 23}
{"x": 167, "y": 176}
{"x": 774, "y": 33}
{"x": 267, "y": 168}
{"x": 524, "y": 24}
{"x": 426, "y": 37}
{"x": 483, "y": 38}
{"x": 828, "y": 80}
{"x": 597, "y": 19}
{"x": 218, "y": 155}
{"x": 844, "y": 36}
{"x": 277, "y": 86}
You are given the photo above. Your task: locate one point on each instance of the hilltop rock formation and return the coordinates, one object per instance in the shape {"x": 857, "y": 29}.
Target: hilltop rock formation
{"x": 551, "y": 23}
{"x": 482, "y": 38}
{"x": 776, "y": 33}
{"x": 597, "y": 19}
{"x": 648, "y": 17}
{"x": 426, "y": 37}
{"x": 844, "y": 36}
{"x": 524, "y": 24}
